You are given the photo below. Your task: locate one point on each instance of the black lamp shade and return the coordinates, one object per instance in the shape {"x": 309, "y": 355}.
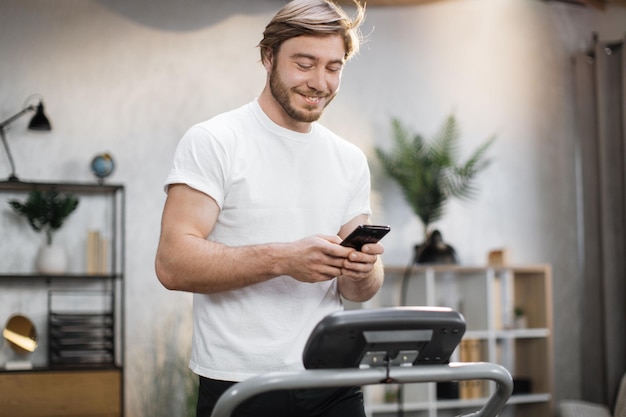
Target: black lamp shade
{"x": 39, "y": 120}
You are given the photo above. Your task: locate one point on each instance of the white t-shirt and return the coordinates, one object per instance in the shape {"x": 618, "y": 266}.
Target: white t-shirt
{"x": 272, "y": 185}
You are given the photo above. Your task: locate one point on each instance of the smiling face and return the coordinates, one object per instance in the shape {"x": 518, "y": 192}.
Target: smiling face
{"x": 303, "y": 78}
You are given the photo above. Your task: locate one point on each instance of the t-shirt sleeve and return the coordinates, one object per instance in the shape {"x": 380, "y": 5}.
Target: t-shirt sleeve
{"x": 200, "y": 161}
{"x": 360, "y": 202}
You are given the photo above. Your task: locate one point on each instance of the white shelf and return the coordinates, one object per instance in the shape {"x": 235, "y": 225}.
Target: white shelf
{"x": 529, "y": 398}
{"x": 457, "y": 404}
{"x": 393, "y": 407}
{"x": 487, "y": 298}
{"x": 522, "y": 333}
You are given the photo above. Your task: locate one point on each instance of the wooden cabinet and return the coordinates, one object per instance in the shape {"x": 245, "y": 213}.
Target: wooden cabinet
{"x": 78, "y": 367}
{"x": 509, "y": 322}
{"x": 83, "y": 393}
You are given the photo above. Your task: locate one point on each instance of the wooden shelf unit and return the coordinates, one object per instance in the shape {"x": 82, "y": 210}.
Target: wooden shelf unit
{"x": 66, "y": 393}
{"x": 488, "y": 298}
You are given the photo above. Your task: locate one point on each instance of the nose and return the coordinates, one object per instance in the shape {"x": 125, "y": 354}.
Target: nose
{"x": 317, "y": 80}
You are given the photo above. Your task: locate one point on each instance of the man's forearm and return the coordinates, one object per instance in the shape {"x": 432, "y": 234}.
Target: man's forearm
{"x": 201, "y": 266}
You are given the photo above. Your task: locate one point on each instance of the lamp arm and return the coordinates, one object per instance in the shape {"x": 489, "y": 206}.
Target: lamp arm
{"x": 13, "y": 118}
{"x": 3, "y": 126}
{"x": 12, "y": 177}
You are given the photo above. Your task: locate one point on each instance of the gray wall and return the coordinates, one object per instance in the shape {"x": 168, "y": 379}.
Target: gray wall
{"x": 130, "y": 77}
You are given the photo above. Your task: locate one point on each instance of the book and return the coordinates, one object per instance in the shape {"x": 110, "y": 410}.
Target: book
{"x": 465, "y": 387}
{"x": 470, "y": 350}
{"x": 97, "y": 253}
{"x": 478, "y": 386}
{"x": 93, "y": 243}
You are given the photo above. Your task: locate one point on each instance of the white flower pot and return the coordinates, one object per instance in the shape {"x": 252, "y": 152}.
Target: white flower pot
{"x": 520, "y": 322}
{"x": 52, "y": 259}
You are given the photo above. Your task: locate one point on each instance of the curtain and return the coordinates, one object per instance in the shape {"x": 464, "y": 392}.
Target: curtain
{"x": 600, "y": 76}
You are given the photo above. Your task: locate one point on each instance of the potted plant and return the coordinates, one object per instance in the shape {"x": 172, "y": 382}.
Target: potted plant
{"x": 429, "y": 173}
{"x": 46, "y": 211}
{"x": 519, "y": 318}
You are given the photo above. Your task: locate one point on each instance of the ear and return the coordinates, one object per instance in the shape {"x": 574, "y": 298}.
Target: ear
{"x": 267, "y": 59}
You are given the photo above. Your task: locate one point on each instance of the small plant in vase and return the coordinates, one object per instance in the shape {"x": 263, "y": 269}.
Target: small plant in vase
{"x": 519, "y": 318}
{"x": 429, "y": 174}
{"x": 46, "y": 211}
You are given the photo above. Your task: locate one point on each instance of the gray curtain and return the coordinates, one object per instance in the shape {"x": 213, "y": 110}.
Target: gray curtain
{"x": 600, "y": 75}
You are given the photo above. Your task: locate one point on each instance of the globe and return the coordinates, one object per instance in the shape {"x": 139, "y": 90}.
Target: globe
{"x": 102, "y": 166}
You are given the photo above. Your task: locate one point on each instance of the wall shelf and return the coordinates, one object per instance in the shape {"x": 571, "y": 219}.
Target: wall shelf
{"x": 49, "y": 278}
{"x": 76, "y": 187}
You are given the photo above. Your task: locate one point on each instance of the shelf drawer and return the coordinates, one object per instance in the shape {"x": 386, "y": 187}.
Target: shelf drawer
{"x": 93, "y": 393}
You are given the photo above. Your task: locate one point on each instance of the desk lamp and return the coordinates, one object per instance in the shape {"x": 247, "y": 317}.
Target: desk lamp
{"x": 38, "y": 122}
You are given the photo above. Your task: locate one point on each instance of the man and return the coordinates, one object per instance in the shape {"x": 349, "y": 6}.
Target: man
{"x": 258, "y": 202}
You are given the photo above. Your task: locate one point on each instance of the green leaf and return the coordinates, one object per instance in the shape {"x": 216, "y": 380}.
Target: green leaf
{"x": 46, "y": 211}
{"x": 429, "y": 173}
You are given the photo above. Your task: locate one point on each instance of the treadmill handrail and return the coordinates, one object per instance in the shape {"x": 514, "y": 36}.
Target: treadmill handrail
{"x": 323, "y": 378}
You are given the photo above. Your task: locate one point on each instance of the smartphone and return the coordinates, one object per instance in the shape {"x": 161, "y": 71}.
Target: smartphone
{"x": 365, "y": 233}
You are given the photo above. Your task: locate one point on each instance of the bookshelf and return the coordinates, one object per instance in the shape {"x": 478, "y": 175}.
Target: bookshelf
{"x": 489, "y": 298}
{"x": 78, "y": 367}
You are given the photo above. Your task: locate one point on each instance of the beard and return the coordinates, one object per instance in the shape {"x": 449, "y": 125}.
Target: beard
{"x": 282, "y": 94}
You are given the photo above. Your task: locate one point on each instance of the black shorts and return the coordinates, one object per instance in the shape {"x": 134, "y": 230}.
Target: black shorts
{"x": 319, "y": 402}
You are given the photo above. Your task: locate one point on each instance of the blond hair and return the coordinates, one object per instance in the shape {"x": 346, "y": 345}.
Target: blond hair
{"x": 313, "y": 18}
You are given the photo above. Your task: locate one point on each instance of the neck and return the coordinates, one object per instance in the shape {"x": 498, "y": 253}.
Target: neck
{"x": 277, "y": 114}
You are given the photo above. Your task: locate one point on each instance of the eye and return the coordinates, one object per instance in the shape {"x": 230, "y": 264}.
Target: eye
{"x": 335, "y": 68}
{"x": 304, "y": 66}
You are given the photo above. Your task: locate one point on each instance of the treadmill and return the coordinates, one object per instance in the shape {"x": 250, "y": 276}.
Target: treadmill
{"x": 394, "y": 345}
